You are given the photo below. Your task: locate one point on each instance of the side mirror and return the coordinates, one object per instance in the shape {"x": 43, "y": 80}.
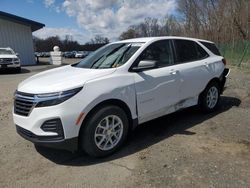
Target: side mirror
{"x": 17, "y": 54}
{"x": 145, "y": 65}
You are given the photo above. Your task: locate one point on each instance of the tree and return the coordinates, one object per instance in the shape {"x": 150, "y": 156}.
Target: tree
{"x": 98, "y": 39}
{"x": 46, "y": 45}
{"x": 130, "y": 33}
{"x": 153, "y": 27}
{"x": 216, "y": 20}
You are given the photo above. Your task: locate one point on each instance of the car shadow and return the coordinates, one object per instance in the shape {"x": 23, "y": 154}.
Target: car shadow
{"x": 144, "y": 135}
{"x": 13, "y": 71}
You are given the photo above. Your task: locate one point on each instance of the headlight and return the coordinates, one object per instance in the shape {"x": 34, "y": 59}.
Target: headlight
{"x": 50, "y": 99}
{"x": 15, "y": 59}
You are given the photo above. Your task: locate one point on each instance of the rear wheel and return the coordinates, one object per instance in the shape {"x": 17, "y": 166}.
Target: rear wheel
{"x": 105, "y": 131}
{"x": 210, "y": 97}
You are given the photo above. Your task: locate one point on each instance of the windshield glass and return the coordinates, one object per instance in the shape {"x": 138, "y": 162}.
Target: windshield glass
{"x": 109, "y": 56}
{"x": 5, "y": 52}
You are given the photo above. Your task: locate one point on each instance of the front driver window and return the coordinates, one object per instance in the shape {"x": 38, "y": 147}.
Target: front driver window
{"x": 160, "y": 51}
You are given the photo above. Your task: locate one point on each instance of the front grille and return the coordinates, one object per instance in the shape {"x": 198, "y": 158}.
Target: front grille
{"x": 5, "y": 60}
{"x": 23, "y": 103}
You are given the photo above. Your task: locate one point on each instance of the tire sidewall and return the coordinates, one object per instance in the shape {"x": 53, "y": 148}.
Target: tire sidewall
{"x": 88, "y": 140}
{"x": 203, "y": 99}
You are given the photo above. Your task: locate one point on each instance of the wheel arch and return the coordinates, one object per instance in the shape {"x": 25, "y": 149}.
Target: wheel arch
{"x": 114, "y": 102}
{"x": 215, "y": 79}
{"x": 219, "y": 79}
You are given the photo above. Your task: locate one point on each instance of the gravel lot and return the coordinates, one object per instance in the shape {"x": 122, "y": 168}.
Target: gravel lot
{"x": 184, "y": 149}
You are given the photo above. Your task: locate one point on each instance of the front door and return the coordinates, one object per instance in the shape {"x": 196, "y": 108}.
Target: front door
{"x": 157, "y": 90}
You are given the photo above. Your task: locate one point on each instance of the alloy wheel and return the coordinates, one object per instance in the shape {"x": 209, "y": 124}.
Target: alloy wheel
{"x": 108, "y": 132}
{"x": 212, "y": 97}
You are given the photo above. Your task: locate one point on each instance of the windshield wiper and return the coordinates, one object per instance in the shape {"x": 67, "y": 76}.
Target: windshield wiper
{"x": 97, "y": 61}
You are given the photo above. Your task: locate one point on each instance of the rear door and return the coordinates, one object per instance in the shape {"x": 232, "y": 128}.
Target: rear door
{"x": 157, "y": 89}
{"x": 193, "y": 66}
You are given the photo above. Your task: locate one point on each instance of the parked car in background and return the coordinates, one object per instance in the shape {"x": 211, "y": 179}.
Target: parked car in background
{"x": 69, "y": 54}
{"x": 42, "y": 54}
{"x": 9, "y": 59}
{"x": 82, "y": 54}
{"x": 86, "y": 53}
{"x": 46, "y": 54}
{"x": 79, "y": 54}
{"x": 38, "y": 54}
{"x": 98, "y": 100}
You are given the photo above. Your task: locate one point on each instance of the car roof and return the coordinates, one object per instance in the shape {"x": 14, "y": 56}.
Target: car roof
{"x": 151, "y": 39}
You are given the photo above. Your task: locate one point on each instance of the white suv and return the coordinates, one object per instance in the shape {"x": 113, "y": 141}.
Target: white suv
{"x": 93, "y": 104}
{"x": 9, "y": 59}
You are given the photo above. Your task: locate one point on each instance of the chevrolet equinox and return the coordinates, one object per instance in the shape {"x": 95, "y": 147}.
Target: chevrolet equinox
{"x": 92, "y": 105}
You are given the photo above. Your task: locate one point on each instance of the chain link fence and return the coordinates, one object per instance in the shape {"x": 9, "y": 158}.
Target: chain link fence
{"x": 236, "y": 53}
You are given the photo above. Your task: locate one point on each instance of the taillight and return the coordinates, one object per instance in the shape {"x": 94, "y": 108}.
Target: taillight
{"x": 224, "y": 61}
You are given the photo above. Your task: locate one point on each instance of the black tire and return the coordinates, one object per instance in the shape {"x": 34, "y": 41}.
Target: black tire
{"x": 204, "y": 105}
{"x": 18, "y": 70}
{"x": 87, "y": 137}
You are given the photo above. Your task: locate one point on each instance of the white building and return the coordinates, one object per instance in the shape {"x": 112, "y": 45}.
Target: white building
{"x": 16, "y": 33}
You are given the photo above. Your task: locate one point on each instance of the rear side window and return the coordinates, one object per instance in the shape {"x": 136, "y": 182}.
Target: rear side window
{"x": 187, "y": 51}
{"x": 212, "y": 47}
{"x": 201, "y": 53}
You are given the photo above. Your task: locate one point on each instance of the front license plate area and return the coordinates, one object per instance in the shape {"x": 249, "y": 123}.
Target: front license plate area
{"x": 4, "y": 66}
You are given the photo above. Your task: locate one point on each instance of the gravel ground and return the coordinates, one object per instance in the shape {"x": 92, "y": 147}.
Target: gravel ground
{"x": 184, "y": 149}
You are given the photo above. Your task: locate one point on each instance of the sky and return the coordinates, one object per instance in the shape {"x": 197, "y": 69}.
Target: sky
{"x": 83, "y": 19}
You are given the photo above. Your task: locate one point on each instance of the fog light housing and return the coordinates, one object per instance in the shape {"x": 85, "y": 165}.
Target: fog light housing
{"x": 55, "y": 126}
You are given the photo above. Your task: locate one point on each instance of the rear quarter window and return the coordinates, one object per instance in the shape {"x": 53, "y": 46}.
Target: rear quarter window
{"x": 212, "y": 47}
{"x": 187, "y": 51}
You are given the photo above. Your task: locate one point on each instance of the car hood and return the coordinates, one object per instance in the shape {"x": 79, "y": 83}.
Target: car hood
{"x": 60, "y": 79}
{"x": 8, "y": 56}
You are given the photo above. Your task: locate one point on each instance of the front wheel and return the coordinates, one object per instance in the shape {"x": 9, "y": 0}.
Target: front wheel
{"x": 210, "y": 97}
{"x": 105, "y": 131}
{"x": 18, "y": 70}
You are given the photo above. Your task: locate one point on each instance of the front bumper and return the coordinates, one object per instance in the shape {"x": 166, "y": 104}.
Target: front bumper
{"x": 36, "y": 125}
{"x": 48, "y": 141}
{"x": 10, "y": 65}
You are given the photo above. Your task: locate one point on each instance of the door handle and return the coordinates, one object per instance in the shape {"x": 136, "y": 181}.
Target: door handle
{"x": 206, "y": 64}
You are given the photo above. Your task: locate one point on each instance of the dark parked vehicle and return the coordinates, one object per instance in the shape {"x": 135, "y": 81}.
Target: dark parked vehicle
{"x": 69, "y": 54}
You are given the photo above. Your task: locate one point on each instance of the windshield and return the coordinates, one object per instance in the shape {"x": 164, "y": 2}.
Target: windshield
{"x": 5, "y": 52}
{"x": 109, "y": 56}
